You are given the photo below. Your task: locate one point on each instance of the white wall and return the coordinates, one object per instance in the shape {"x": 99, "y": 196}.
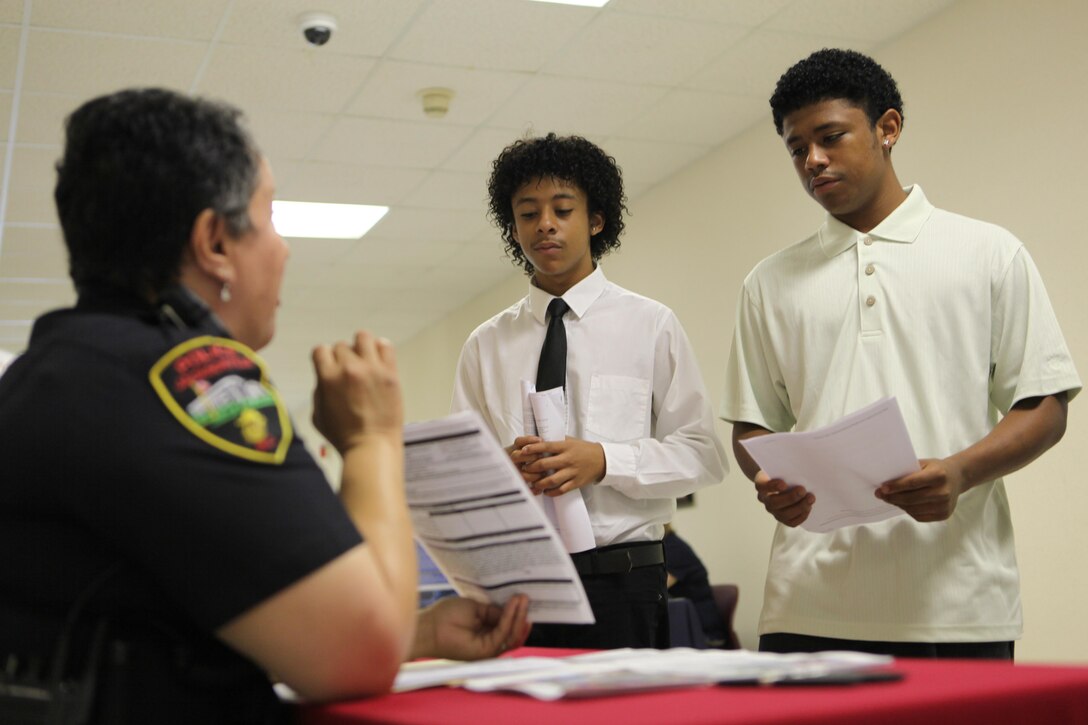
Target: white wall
{"x": 995, "y": 94}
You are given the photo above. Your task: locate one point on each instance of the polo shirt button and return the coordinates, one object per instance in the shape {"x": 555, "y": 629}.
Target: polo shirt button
{"x": 869, "y": 269}
{"x": 867, "y": 241}
{"x": 870, "y": 301}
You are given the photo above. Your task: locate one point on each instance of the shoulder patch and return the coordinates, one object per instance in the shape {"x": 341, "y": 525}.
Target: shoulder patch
{"x": 219, "y": 390}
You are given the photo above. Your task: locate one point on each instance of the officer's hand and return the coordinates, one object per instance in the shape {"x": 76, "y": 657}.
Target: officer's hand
{"x": 462, "y": 629}
{"x": 358, "y": 391}
{"x": 791, "y": 505}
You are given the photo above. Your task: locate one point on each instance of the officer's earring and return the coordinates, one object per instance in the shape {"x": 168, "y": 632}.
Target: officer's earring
{"x": 224, "y": 292}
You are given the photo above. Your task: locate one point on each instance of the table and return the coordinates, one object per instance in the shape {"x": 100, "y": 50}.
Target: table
{"x": 934, "y": 691}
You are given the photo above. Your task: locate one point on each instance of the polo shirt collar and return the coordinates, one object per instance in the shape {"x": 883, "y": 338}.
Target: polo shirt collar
{"x": 902, "y": 225}
{"x": 580, "y": 297}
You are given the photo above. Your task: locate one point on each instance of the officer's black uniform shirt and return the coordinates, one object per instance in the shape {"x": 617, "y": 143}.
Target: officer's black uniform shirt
{"x": 103, "y": 477}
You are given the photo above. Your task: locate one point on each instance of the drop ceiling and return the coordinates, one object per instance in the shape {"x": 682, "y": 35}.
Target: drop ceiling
{"x": 657, "y": 83}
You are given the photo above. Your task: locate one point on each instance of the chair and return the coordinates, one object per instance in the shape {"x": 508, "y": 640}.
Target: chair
{"x": 684, "y": 627}
{"x": 725, "y": 599}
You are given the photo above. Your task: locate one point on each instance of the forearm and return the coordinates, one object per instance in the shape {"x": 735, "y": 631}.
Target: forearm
{"x": 372, "y": 490}
{"x": 743, "y": 431}
{"x": 675, "y": 466}
{"x": 1030, "y": 428}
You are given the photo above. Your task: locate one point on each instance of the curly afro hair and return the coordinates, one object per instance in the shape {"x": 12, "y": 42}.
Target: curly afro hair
{"x": 830, "y": 74}
{"x": 572, "y": 160}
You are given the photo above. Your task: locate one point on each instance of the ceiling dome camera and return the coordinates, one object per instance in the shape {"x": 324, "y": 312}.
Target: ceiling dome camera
{"x": 317, "y": 28}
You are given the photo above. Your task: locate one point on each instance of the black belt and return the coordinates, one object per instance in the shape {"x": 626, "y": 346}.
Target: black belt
{"x": 618, "y": 559}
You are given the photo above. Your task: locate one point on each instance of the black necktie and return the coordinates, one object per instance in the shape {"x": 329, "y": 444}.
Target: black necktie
{"x": 551, "y": 372}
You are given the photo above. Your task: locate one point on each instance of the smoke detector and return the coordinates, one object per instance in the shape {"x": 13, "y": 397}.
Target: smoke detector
{"x": 436, "y": 101}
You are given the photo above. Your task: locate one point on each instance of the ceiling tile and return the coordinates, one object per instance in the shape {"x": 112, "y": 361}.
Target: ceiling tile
{"x": 33, "y": 252}
{"x": 89, "y": 65}
{"x": 318, "y": 250}
{"x": 855, "y": 19}
{"x": 496, "y": 34}
{"x": 481, "y": 149}
{"x": 622, "y": 47}
{"x": 652, "y": 161}
{"x": 11, "y": 11}
{"x": 571, "y": 105}
{"x": 451, "y": 190}
{"x": 9, "y": 56}
{"x": 345, "y": 183}
{"x": 193, "y": 19}
{"x": 284, "y": 135}
{"x": 5, "y": 115}
{"x": 696, "y": 116}
{"x": 487, "y": 255}
{"x": 755, "y": 64}
{"x": 384, "y": 251}
{"x": 33, "y": 176}
{"x": 45, "y": 292}
{"x": 41, "y": 117}
{"x": 735, "y": 12}
{"x": 433, "y": 224}
{"x": 390, "y": 143}
{"x": 296, "y": 80}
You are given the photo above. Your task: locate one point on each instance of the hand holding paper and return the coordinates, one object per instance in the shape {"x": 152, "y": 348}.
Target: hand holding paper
{"x": 546, "y": 416}
{"x": 930, "y": 494}
{"x": 842, "y": 464}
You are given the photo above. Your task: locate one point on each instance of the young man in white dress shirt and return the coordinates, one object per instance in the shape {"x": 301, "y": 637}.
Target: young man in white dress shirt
{"x": 640, "y": 428}
{"x": 892, "y": 296}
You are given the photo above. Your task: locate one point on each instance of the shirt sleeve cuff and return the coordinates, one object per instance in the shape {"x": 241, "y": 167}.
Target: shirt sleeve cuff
{"x": 621, "y": 463}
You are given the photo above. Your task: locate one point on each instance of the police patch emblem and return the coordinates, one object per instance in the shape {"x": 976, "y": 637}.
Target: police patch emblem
{"x": 218, "y": 389}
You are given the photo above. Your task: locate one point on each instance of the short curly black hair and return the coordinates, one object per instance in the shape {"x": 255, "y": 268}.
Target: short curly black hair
{"x": 833, "y": 73}
{"x": 139, "y": 165}
{"x": 571, "y": 159}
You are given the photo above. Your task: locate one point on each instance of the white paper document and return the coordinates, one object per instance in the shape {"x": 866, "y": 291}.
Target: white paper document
{"x": 477, "y": 520}
{"x": 842, "y": 464}
{"x": 625, "y": 670}
{"x": 545, "y": 415}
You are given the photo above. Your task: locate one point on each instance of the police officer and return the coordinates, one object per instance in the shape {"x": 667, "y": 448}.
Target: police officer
{"x": 167, "y": 541}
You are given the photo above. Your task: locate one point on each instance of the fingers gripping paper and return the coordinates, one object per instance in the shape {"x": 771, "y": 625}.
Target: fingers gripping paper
{"x": 545, "y": 415}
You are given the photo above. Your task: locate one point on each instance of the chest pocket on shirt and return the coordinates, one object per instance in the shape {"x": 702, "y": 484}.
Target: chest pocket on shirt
{"x": 618, "y": 407}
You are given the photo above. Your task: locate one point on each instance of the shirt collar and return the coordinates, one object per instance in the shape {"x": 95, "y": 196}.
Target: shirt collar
{"x": 902, "y": 225}
{"x": 580, "y": 297}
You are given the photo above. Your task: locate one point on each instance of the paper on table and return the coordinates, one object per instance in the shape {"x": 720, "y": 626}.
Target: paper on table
{"x": 626, "y": 670}
{"x": 545, "y": 415}
{"x": 473, "y": 514}
{"x": 842, "y": 464}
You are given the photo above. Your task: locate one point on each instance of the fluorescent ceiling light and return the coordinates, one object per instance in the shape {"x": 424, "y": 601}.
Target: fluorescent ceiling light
{"x": 324, "y": 221}
{"x": 583, "y": 3}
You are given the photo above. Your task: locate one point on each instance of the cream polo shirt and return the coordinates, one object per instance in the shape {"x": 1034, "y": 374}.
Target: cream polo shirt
{"x": 633, "y": 385}
{"x": 949, "y": 315}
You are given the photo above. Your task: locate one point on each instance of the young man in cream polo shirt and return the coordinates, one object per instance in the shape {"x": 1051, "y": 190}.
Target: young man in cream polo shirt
{"x": 892, "y": 296}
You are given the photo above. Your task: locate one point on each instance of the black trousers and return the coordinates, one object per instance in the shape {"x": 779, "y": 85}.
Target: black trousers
{"x": 786, "y": 642}
{"x": 631, "y": 610}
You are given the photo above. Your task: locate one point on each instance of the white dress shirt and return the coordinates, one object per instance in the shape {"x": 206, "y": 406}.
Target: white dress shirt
{"x": 633, "y": 385}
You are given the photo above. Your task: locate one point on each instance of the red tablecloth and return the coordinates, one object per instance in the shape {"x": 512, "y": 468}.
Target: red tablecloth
{"x": 933, "y": 692}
